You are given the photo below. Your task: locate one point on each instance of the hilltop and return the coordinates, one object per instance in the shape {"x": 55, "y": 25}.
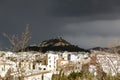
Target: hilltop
{"x": 55, "y": 44}
{"x": 115, "y": 49}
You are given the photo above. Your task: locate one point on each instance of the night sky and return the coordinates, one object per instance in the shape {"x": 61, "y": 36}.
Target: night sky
{"x": 86, "y": 23}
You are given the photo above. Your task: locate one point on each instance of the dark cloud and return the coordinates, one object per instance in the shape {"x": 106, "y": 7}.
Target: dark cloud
{"x": 93, "y": 33}
{"x": 87, "y": 19}
{"x": 85, "y": 7}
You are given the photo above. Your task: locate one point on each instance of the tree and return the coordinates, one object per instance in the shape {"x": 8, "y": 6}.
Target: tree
{"x": 19, "y": 42}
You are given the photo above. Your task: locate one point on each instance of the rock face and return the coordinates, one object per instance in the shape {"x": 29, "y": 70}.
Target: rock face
{"x": 55, "y": 44}
{"x": 58, "y": 41}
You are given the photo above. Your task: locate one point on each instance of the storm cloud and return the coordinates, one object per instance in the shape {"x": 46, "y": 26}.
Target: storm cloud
{"x": 86, "y": 23}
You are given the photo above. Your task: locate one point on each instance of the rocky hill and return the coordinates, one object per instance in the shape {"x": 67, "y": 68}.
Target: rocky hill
{"x": 115, "y": 49}
{"x": 99, "y": 49}
{"x": 55, "y": 44}
{"x": 58, "y": 41}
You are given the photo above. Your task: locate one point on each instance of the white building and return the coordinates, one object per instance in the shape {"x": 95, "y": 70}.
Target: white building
{"x": 109, "y": 63}
{"x": 52, "y": 61}
{"x": 5, "y": 66}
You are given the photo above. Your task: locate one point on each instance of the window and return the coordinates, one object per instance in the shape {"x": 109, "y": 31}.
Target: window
{"x": 49, "y": 61}
{"x": 2, "y": 69}
{"x": 44, "y": 68}
{"x": 49, "y": 57}
{"x": 33, "y": 66}
{"x": 40, "y": 68}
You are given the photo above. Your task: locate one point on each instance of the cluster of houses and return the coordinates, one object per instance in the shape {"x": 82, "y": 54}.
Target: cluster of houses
{"x": 39, "y": 66}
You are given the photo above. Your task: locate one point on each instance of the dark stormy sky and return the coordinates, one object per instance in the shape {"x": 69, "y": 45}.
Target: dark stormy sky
{"x": 86, "y": 23}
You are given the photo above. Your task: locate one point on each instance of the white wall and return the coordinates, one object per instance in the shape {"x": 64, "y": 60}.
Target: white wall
{"x": 46, "y": 76}
{"x": 52, "y": 61}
